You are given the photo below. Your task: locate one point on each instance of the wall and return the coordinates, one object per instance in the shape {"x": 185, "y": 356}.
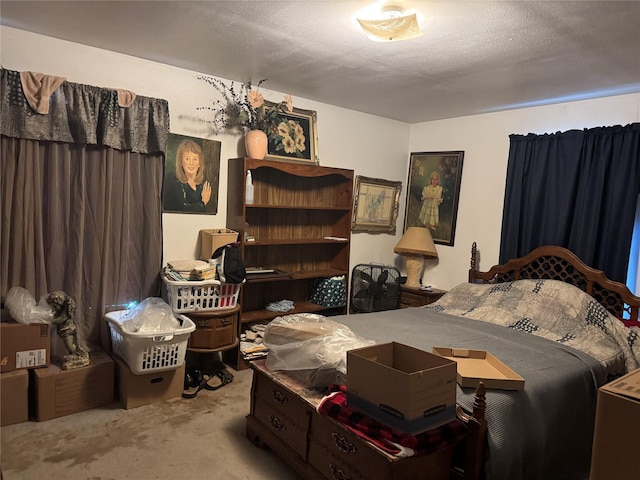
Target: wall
{"x": 371, "y": 146}
{"x": 485, "y": 141}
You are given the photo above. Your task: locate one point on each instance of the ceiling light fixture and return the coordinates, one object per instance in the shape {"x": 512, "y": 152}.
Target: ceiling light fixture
{"x": 391, "y": 23}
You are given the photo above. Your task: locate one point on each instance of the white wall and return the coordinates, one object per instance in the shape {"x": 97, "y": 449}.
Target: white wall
{"x": 485, "y": 141}
{"x": 371, "y": 146}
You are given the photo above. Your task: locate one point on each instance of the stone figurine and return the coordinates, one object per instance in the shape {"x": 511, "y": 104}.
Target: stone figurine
{"x": 64, "y": 308}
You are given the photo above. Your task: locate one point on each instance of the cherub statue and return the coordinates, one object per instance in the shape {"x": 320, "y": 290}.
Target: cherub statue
{"x": 64, "y": 308}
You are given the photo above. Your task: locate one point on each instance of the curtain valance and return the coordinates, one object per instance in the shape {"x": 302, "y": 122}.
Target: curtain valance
{"x": 84, "y": 114}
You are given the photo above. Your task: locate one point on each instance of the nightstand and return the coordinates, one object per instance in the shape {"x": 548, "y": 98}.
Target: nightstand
{"x": 414, "y": 297}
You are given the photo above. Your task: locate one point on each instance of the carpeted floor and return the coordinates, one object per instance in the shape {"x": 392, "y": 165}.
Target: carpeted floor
{"x": 199, "y": 438}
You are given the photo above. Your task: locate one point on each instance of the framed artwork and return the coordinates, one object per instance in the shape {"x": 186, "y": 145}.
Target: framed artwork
{"x": 375, "y": 207}
{"x": 294, "y": 136}
{"x": 191, "y": 175}
{"x": 433, "y": 191}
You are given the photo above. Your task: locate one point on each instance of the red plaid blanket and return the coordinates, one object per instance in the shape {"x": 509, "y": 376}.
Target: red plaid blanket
{"x": 391, "y": 441}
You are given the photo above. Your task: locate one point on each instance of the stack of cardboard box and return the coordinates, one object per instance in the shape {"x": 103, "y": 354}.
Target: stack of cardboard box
{"x": 34, "y": 386}
{"x": 403, "y": 387}
{"x": 22, "y": 347}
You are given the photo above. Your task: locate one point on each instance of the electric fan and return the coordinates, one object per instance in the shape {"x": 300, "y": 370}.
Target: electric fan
{"x": 375, "y": 288}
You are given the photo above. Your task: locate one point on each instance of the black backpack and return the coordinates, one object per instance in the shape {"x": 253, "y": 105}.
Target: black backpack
{"x": 231, "y": 268}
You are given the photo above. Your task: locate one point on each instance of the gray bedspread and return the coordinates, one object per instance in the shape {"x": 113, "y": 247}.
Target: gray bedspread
{"x": 543, "y": 432}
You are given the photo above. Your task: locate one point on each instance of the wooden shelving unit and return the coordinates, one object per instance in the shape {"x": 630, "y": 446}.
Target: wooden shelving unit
{"x": 298, "y": 224}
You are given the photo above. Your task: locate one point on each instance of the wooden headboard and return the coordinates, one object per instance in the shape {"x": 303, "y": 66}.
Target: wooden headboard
{"x": 558, "y": 263}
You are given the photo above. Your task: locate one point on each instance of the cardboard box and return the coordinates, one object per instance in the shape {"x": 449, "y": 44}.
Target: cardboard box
{"x": 63, "y": 392}
{"x": 14, "y": 397}
{"x": 281, "y": 333}
{"x": 136, "y": 390}
{"x": 615, "y": 441}
{"x": 213, "y": 238}
{"x": 403, "y": 381}
{"x": 475, "y": 366}
{"x": 24, "y": 346}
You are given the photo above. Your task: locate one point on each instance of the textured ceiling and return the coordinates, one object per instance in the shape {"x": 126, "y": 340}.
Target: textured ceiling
{"x": 475, "y": 56}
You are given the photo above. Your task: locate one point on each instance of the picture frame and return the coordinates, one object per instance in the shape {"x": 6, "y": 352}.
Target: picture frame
{"x": 302, "y": 135}
{"x": 435, "y": 207}
{"x": 376, "y": 204}
{"x": 177, "y": 195}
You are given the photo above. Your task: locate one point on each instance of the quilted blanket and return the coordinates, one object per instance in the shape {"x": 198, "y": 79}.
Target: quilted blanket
{"x": 553, "y": 310}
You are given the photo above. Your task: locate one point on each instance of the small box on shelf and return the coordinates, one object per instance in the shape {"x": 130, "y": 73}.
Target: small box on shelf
{"x": 213, "y": 238}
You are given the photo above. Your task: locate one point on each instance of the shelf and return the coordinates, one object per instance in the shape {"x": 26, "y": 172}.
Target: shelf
{"x": 284, "y": 276}
{"x": 300, "y": 219}
{"x": 329, "y": 208}
{"x": 254, "y": 316}
{"x": 294, "y": 241}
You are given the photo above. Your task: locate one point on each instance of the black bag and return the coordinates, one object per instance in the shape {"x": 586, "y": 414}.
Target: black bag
{"x": 231, "y": 268}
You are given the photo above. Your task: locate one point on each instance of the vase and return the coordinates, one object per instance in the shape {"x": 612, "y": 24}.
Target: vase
{"x": 255, "y": 142}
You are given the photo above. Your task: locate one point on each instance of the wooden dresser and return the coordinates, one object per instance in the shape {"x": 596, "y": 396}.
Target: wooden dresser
{"x": 415, "y": 297}
{"x": 283, "y": 417}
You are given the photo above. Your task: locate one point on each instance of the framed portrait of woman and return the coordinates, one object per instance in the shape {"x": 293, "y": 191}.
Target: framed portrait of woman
{"x": 191, "y": 175}
{"x": 433, "y": 191}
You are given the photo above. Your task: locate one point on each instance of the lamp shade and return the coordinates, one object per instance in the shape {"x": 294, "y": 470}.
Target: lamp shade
{"x": 416, "y": 241}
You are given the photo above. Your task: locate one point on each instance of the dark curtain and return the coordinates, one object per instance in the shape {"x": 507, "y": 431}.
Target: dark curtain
{"x": 83, "y": 219}
{"x": 81, "y": 199}
{"x": 576, "y": 189}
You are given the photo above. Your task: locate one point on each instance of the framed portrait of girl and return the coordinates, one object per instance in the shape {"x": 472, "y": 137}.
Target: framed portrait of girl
{"x": 433, "y": 191}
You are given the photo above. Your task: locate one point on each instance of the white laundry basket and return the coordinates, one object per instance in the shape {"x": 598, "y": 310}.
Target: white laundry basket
{"x": 205, "y": 296}
{"x": 149, "y": 352}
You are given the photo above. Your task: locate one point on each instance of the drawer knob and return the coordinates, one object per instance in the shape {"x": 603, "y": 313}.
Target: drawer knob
{"x": 276, "y": 423}
{"x": 343, "y": 444}
{"x": 279, "y": 397}
{"x": 338, "y": 473}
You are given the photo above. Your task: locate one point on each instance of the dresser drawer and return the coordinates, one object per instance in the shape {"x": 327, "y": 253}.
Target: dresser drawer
{"x": 215, "y": 331}
{"x": 282, "y": 401}
{"x": 333, "y": 448}
{"x": 283, "y": 428}
{"x": 338, "y": 453}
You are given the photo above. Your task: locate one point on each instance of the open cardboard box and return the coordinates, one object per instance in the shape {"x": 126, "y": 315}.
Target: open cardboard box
{"x": 401, "y": 380}
{"x": 475, "y": 366}
{"x": 213, "y": 238}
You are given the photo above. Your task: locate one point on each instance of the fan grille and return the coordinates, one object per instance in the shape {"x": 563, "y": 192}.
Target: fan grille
{"x": 375, "y": 288}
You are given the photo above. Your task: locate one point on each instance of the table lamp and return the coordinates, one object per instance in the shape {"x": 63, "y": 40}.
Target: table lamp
{"x": 415, "y": 245}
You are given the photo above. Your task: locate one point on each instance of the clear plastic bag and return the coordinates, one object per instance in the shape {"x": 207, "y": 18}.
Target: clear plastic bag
{"x": 152, "y": 315}
{"x": 311, "y": 348}
{"x": 22, "y": 307}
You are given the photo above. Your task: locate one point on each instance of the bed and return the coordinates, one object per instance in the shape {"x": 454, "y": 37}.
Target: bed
{"x": 557, "y": 323}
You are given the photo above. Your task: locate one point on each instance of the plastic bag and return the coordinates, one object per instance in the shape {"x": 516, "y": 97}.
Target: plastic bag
{"x": 152, "y": 315}
{"x": 311, "y": 348}
{"x": 22, "y": 307}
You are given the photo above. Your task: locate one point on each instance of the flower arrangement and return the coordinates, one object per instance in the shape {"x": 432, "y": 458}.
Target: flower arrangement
{"x": 242, "y": 106}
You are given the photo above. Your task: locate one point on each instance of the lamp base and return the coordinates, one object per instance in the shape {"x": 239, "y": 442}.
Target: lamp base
{"x": 415, "y": 265}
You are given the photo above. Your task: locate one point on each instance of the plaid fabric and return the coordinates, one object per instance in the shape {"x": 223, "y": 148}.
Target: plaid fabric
{"x": 391, "y": 441}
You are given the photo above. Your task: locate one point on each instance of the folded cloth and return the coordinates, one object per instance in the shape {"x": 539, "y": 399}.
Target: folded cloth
{"x": 38, "y": 87}
{"x": 125, "y": 97}
{"x": 387, "y": 439}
